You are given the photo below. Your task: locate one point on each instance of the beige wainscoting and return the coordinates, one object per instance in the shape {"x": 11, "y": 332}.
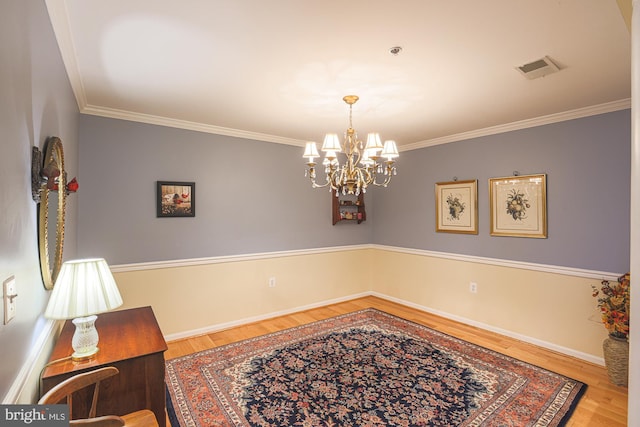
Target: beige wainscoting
{"x": 200, "y": 296}
{"x": 545, "y": 305}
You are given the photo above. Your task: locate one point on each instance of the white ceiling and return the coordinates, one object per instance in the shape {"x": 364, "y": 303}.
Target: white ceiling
{"x": 277, "y": 70}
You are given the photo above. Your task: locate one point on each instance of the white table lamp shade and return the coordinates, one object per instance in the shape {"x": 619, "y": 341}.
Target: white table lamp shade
{"x": 84, "y": 287}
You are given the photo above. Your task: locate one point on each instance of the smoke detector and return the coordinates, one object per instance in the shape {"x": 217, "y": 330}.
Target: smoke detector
{"x": 538, "y": 68}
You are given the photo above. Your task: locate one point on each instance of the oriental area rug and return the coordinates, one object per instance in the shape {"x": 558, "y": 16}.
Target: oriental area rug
{"x": 366, "y": 368}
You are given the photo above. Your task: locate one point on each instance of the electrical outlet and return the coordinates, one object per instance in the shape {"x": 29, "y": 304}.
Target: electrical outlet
{"x": 473, "y": 287}
{"x": 9, "y": 295}
{"x": 272, "y": 282}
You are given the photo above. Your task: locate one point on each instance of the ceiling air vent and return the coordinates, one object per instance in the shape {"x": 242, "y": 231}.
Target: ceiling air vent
{"x": 538, "y": 68}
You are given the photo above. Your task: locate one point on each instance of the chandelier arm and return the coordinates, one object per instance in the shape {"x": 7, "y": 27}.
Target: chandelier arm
{"x": 382, "y": 184}
{"x": 363, "y": 179}
{"x": 351, "y": 147}
{"x": 388, "y": 174}
{"x": 311, "y": 173}
{"x": 358, "y": 157}
{"x": 373, "y": 172}
{"x": 336, "y": 178}
{"x": 314, "y": 184}
{"x": 367, "y": 178}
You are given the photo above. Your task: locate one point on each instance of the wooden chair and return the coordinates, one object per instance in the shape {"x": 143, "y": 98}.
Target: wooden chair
{"x": 66, "y": 388}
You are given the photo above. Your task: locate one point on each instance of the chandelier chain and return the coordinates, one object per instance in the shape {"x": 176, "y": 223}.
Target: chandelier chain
{"x": 351, "y": 116}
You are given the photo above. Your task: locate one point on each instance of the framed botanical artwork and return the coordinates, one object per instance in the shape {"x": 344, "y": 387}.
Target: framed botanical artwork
{"x": 174, "y": 199}
{"x": 519, "y": 206}
{"x": 457, "y": 207}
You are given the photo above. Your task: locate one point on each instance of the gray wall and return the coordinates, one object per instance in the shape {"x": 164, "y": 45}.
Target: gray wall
{"x": 251, "y": 197}
{"x": 35, "y": 102}
{"x": 587, "y": 162}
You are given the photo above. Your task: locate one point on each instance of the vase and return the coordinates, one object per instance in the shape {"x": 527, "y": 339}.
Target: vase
{"x": 616, "y": 359}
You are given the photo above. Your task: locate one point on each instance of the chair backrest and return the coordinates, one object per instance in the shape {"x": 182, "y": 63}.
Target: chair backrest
{"x": 66, "y": 388}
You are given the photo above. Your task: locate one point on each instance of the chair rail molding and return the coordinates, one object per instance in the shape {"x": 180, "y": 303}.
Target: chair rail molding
{"x": 567, "y": 271}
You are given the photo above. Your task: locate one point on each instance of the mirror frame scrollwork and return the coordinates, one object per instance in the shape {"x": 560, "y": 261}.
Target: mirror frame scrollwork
{"x": 43, "y": 182}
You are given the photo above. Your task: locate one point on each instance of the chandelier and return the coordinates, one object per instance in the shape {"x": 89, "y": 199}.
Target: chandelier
{"x": 363, "y": 164}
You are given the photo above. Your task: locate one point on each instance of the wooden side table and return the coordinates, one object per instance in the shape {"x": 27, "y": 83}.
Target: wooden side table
{"x": 131, "y": 341}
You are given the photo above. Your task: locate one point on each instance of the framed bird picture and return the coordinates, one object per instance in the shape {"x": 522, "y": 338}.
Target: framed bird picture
{"x": 175, "y": 199}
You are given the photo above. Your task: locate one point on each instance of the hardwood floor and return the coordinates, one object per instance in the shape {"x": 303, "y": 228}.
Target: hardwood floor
{"x": 603, "y": 403}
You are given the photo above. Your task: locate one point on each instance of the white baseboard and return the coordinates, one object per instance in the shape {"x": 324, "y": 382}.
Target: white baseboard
{"x": 540, "y": 343}
{"x": 25, "y": 374}
{"x": 226, "y": 325}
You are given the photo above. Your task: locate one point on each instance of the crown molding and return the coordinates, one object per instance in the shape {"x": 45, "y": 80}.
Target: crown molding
{"x": 579, "y": 113}
{"x": 59, "y": 18}
{"x": 218, "y": 130}
{"x": 187, "y": 125}
{"x": 58, "y": 15}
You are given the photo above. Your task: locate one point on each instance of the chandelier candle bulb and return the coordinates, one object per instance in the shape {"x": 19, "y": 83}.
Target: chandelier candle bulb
{"x": 331, "y": 143}
{"x": 373, "y": 144}
{"x": 390, "y": 150}
{"x": 311, "y": 151}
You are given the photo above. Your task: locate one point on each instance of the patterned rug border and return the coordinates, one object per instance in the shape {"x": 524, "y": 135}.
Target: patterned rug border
{"x": 274, "y": 340}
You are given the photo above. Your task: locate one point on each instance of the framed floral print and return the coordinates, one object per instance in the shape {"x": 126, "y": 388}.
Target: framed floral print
{"x": 519, "y": 206}
{"x": 174, "y": 199}
{"x": 457, "y": 207}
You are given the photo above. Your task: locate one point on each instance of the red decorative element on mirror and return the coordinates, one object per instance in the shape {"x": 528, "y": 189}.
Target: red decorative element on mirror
{"x": 73, "y": 186}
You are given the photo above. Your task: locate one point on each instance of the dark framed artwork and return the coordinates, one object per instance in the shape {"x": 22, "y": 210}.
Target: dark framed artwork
{"x": 519, "y": 206}
{"x": 457, "y": 207}
{"x": 175, "y": 199}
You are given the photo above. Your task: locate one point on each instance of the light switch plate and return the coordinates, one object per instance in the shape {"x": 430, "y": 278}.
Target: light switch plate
{"x": 9, "y": 296}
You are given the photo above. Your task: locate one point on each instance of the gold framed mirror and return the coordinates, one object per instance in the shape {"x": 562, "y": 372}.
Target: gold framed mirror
{"x": 49, "y": 189}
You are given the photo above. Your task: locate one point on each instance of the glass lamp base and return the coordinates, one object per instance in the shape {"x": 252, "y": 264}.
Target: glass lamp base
{"x": 79, "y": 357}
{"x": 85, "y": 338}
